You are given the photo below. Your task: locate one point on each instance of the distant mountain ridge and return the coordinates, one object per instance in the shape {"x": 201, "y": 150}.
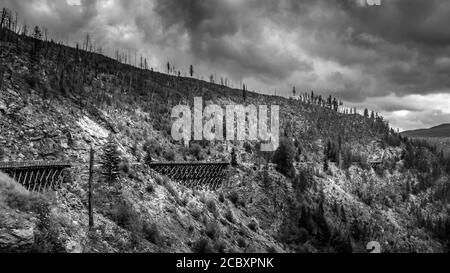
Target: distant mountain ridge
{"x": 442, "y": 130}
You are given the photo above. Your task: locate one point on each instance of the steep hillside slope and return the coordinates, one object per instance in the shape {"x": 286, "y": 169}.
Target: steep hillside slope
{"x": 60, "y": 103}
{"x": 441, "y": 131}
{"x": 438, "y": 136}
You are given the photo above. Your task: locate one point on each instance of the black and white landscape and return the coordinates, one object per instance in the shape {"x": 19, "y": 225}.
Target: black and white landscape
{"x": 89, "y": 162}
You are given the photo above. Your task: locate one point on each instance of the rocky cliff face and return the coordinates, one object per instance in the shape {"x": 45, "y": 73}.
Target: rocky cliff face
{"x": 48, "y": 114}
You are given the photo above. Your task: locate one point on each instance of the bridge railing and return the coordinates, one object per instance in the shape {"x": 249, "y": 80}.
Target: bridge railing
{"x": 33, "y": 164}
{"x": 197, "y": 163}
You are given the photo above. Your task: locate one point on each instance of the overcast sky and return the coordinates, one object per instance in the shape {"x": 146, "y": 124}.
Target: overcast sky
{"x": 393, "y": 58}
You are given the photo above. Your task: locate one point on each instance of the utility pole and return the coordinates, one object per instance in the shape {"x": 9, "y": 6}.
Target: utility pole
{"x": 91, "y": 174}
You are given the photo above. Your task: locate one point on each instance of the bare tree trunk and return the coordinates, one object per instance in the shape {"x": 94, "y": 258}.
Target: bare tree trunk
{"x": 91, "y": 174}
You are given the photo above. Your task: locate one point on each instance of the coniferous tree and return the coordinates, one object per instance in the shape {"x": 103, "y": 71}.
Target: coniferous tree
{"x": 325, "y": 159}
{"x": 335, "y": 105}
{"x": 284, "y": 157}
{"x": 347, "y": 158}
{"x": 2, "y": 72}
{"x": 37, "y": 36}
{"x": 447, "y": 167}
{"x": 366, "y": 113}
{"x": 25, "y": 29}
{"x": 234, "y": 162}
{"x": 343, "y": 214}
{"x": 110, "y": 161}
{"x": 148, "y": 157}
{"x": 2, "y": 153}
{"x": 321, "y": 218}
{"x": 3, "y": 19}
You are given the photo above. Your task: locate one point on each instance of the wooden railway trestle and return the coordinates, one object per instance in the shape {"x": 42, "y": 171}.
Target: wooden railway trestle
{"x": 197, "y": 175}
{"x": 39, "y": 176}
{"x": 36, "y": 176}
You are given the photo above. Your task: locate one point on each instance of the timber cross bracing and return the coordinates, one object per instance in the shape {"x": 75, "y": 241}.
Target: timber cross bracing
{"x": 198, "y": 175}
{"x": 37, "y": 175}
{"x": 378, "y": 162}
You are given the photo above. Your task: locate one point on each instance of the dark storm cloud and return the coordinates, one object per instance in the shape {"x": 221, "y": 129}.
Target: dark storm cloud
{"x": 346, "y": 88}
{"x": 225, "y": 33}
{"x": 395, "y": 106}
{"x": 357, "y": 52}
{"x": 397, "y": 43}
{"x": 62, "y": 18}
{"x": 420, "y": 22}
{"x": 415, "y": 35}
{"x": 246, "y": 59}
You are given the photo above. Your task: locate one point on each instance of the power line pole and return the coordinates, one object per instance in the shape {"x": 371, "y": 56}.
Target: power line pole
{"x": 91, "y": 174}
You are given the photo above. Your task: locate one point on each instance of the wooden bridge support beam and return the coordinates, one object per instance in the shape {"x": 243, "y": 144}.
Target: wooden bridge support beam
{"x": 194, "y": 175}
{"x": 37, "y": 179}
